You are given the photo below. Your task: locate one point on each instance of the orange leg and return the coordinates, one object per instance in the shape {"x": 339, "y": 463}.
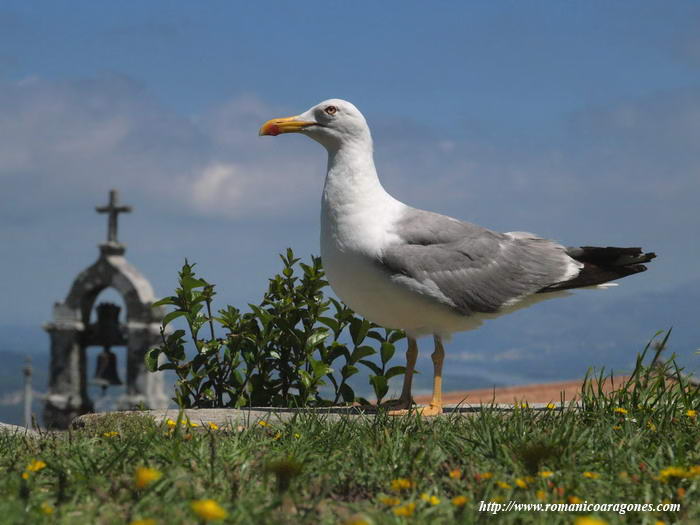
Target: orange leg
{"x": 435, "y": 406}
{"x": 438, "y": 357}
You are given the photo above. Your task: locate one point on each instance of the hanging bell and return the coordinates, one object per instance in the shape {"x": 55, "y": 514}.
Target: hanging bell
{"x": 106, "y": 371}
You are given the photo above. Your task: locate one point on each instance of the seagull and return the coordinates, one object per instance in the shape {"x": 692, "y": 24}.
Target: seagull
{"x": 423, "y": 272}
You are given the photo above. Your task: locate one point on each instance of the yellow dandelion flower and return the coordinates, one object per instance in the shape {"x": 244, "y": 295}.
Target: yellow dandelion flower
{"x": 691, "y": 413}
{"x": 405, "y": 510}
{"x": 147, "y": 521}
{"x": 520, "y": 483}
{"x": 389, "y": 501}
{"x": 485, "y": 475}
{"x": 659, "y": 522}
{"x": 620, "y": 410}
{"x": 551, "y": 406}
{"x": 541, "y": 495}
{"x": 545, "y": 473}
{"x": 651, "y": 426}
{"x": 524, "y": 405}
{"x": 297, "y": 435}
{"x": 46, "y": 508}
{"x": 503, "y": 484}
{"x": 213, "y": 426}
{"x": 574, "y": 499}
{"x": 591, "y": 475}
{"x": 263, "y": 423}
{"x": 617, "y": 427}
{"x": 459, "y": 501}
{"x": 433, "y": 500}
{"x": 170, "y": 423}
{"x": 208, "y": 510}
{"x": 110, "y": 434}
{"x": 588, "y": 520}
{"x": 455, "y": 474}
{"x": 192, "y": 425}
{"x": 399, "y": 484}
{"x": 25, "y": 475}
{"x": 277, "y": 436}
{"x": 693, "y": 472}
{"x": 144, "y": 476}
{"x": 36, "y": 466}
{"x": 672, "y": 472}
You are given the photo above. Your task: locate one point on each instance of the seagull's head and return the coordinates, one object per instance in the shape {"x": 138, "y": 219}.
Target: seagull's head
{"x": 332, "y": 123}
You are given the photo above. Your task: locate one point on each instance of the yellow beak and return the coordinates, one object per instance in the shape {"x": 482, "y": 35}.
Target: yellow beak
{"x": 284, "y": 125}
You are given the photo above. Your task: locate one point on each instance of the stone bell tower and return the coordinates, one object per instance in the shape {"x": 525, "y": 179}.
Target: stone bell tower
{"x": 72, "y": 334}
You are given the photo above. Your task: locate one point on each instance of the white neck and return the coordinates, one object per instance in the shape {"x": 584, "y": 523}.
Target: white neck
{"x": 354, "y": 200}
{"x": 351, "y": 179}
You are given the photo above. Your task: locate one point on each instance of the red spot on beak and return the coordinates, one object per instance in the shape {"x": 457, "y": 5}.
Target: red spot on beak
{"x": 272, "y": 129}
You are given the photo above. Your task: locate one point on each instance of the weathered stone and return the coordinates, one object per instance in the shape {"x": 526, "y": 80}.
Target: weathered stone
{"x": 70, "y": 333}
{"x": 18, "y": 431}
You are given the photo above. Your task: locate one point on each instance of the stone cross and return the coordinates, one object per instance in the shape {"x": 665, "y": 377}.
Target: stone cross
{"x": 113, "y": 209}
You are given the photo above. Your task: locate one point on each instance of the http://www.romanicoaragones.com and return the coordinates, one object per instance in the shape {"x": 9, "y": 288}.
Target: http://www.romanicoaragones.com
{"x": 584, "y": 506}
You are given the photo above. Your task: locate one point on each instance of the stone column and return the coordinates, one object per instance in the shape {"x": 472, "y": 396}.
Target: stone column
{"x": 67, "y": 396}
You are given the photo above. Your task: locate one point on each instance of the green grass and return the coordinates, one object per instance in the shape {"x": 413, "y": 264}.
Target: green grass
{"x": 312, "y": 470}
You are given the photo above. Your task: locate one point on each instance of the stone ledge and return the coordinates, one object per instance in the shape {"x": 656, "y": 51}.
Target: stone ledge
{"x": 17, "y": 430}
{"x": 233, "y": 418}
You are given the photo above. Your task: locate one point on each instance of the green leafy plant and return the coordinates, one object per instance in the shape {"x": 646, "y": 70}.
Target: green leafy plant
{"x": 296, "y": 348}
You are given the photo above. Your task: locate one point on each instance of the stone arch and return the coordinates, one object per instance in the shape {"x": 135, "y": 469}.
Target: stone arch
{"x": 70, "y": 330}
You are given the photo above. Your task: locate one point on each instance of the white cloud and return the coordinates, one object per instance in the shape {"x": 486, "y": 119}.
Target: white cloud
{"x": 72, "y": 139}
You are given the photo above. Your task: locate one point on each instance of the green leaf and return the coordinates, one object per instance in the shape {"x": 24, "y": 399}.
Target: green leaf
{"x": 330, "y": 323}
{"x": 396, "y": 335}
{"x": 372, "y": 366}
{"x": 190, "y": 283}
{"x": 172, "y": 315}
{"x": 358, "y": 330}
{"x": 387, "y": 352}
{"x": 361, "y": 352}
{"x": 315, "y": 338}
{"x": 395, "y": 371}
{"x": 165, "y": 301}
{"x": 320, "y": 369}
{"x": 349, "y": 370}
{"x": 305, "y": 378}
{"x": 264, "y": 316}
{"x": 336, "y": 351}
{"x": 347, "y": 393}
{"x": 152, "y": 359}
{"x": 380, "y": 385}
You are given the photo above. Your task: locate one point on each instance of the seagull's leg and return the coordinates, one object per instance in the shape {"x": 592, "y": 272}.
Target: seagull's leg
{"x": 438, "y": 357}
{"x": 406, "y": 400}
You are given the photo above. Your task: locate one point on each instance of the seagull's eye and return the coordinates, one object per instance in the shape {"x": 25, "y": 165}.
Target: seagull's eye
{"x": 331, "y": 110}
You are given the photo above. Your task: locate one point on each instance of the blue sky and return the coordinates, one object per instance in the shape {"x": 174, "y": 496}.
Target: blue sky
{"x": 575, "y": 120}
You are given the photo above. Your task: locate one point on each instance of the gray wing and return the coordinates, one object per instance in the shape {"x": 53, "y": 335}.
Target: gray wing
{"x": 471, "y": 268}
